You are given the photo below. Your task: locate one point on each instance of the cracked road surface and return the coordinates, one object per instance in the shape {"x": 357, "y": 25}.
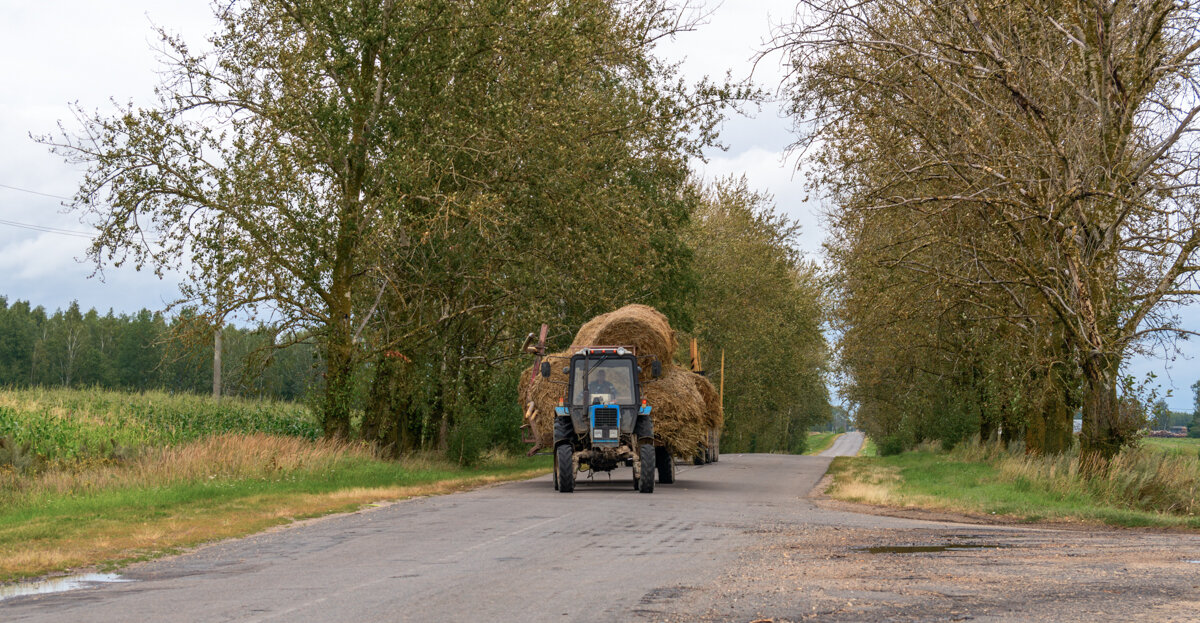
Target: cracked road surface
{"x": 738, "y": 540}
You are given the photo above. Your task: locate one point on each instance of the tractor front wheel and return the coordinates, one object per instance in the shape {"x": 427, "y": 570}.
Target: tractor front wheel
{"x": 564, "y": 468}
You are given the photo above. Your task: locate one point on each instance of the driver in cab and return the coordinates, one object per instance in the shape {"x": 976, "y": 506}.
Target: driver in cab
{"x": 600, "y": 385}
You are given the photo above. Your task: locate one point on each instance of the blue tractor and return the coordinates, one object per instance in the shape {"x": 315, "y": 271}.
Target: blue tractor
{"x": 603, "y": 422}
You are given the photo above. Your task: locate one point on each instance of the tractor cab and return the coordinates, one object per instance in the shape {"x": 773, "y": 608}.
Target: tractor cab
{"x": 603, "y": 395}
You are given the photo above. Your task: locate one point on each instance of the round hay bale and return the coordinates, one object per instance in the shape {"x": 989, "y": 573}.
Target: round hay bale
{"x": 640, "y": 326}
{"x": 678, "y": 411}
{"x": 713, "y": 412}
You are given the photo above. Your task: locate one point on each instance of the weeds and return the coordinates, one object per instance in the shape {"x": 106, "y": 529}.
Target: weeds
{"x": 1139, "y": 478}
{"x": 1146, "y": 485}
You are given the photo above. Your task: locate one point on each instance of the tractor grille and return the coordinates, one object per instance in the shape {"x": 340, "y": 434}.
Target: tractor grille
{"x": 607, "y": 417}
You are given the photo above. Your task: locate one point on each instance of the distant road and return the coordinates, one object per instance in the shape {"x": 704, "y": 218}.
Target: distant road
{"x": 845, "y": 445}
{"x": 736, "y": 540}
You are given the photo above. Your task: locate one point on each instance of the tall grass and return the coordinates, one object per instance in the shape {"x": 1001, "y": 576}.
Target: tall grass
{"x": 1140, "y": 478}
{"x": 223, "y": 457}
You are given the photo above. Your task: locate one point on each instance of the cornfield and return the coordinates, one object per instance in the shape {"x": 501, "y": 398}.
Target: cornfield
{"x": 67, "y": 425}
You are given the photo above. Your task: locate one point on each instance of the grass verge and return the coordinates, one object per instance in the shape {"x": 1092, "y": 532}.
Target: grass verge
{"x": 1143, "y": 487}
{"x": 868, "y": 448}
{"x": 214, "y": 488}
{"x": 820, "y": 442}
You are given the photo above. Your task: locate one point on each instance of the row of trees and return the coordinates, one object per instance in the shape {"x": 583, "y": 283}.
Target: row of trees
{"x": 411, "y": 186}
{"x": 1015, "y": 189}
{"x": 762, "y": 304}
{"x": 140, "y": 351}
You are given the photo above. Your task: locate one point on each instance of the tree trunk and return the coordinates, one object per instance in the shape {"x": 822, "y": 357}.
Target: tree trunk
{"x": 339, "y": 372}
{"x": 1050, "y": 423}
{"x": 1010, "y": 429}
{"x": 386, "y": 418}
{"x": 987, "y": 429}
{"x": 1102, "y": 435}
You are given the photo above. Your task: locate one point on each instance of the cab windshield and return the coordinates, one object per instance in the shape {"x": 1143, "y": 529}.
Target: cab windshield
{"x": 610, "y": 381}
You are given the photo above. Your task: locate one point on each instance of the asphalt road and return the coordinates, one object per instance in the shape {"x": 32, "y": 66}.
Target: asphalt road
{"x": 844, "y": 445}
{"x": 736, "y": 540}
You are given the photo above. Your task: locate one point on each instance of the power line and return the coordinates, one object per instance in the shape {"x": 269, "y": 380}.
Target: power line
{"x": 34, "y": 192}
{"x": 46, "y": 229}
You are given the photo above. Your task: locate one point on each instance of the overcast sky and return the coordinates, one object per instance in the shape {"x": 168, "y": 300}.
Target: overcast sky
{"x": 62, "y": 51}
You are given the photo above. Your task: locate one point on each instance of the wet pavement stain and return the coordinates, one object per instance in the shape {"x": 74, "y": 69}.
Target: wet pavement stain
{"x": 58, "y": 585}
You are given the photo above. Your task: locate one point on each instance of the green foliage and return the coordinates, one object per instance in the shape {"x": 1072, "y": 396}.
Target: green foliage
{"x": 891, "y": 445}
{"x": 69, "y": 425}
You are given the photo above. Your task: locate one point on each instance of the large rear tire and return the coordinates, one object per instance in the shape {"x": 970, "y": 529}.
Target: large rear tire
{"x": 564, "y": 468}
{"x": 665, "y": 464}
{"x": 646, "y": 477}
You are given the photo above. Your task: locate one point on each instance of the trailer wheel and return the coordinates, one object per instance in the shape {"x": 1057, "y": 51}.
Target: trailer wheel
{"x": 665, "y": 464}
{"x": 564, "y": 468}
{"x": 646, "y": 456}
{"x": 700, "y": 458}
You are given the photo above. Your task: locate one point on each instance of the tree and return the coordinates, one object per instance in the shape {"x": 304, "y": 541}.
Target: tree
{"x": 17, "y": 330}
{"x": 298, "y": 166}
{"x": 1160, "y": 415}
{"x": 1078, "y": 168}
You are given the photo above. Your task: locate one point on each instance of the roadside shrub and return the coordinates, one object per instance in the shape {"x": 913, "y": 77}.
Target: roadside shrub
{"x": 890, "y": 445}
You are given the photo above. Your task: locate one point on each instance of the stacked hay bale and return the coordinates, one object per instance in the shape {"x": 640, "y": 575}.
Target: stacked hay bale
{"x": 714, "y": 414}
{"x": 684, "y": 405}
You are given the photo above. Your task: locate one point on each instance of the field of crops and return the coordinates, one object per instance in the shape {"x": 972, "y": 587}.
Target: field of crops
{"x": 1189, "y": 446}
{"x": 64, "y": 425}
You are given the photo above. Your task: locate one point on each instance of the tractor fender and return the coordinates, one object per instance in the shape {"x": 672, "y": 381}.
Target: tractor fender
{"x": 644, "y": 427}
{"x": 564, "y": 430}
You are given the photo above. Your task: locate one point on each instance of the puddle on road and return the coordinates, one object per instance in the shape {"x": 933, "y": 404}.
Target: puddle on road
{"x": 923, "y": 549}
{"x": 58, "y": 585}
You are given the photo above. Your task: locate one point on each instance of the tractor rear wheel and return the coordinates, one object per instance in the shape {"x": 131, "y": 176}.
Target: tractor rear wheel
{"x": 564, "y": 468}
{"x": 646, "y": 471}
{"x": 665, "y": 464}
